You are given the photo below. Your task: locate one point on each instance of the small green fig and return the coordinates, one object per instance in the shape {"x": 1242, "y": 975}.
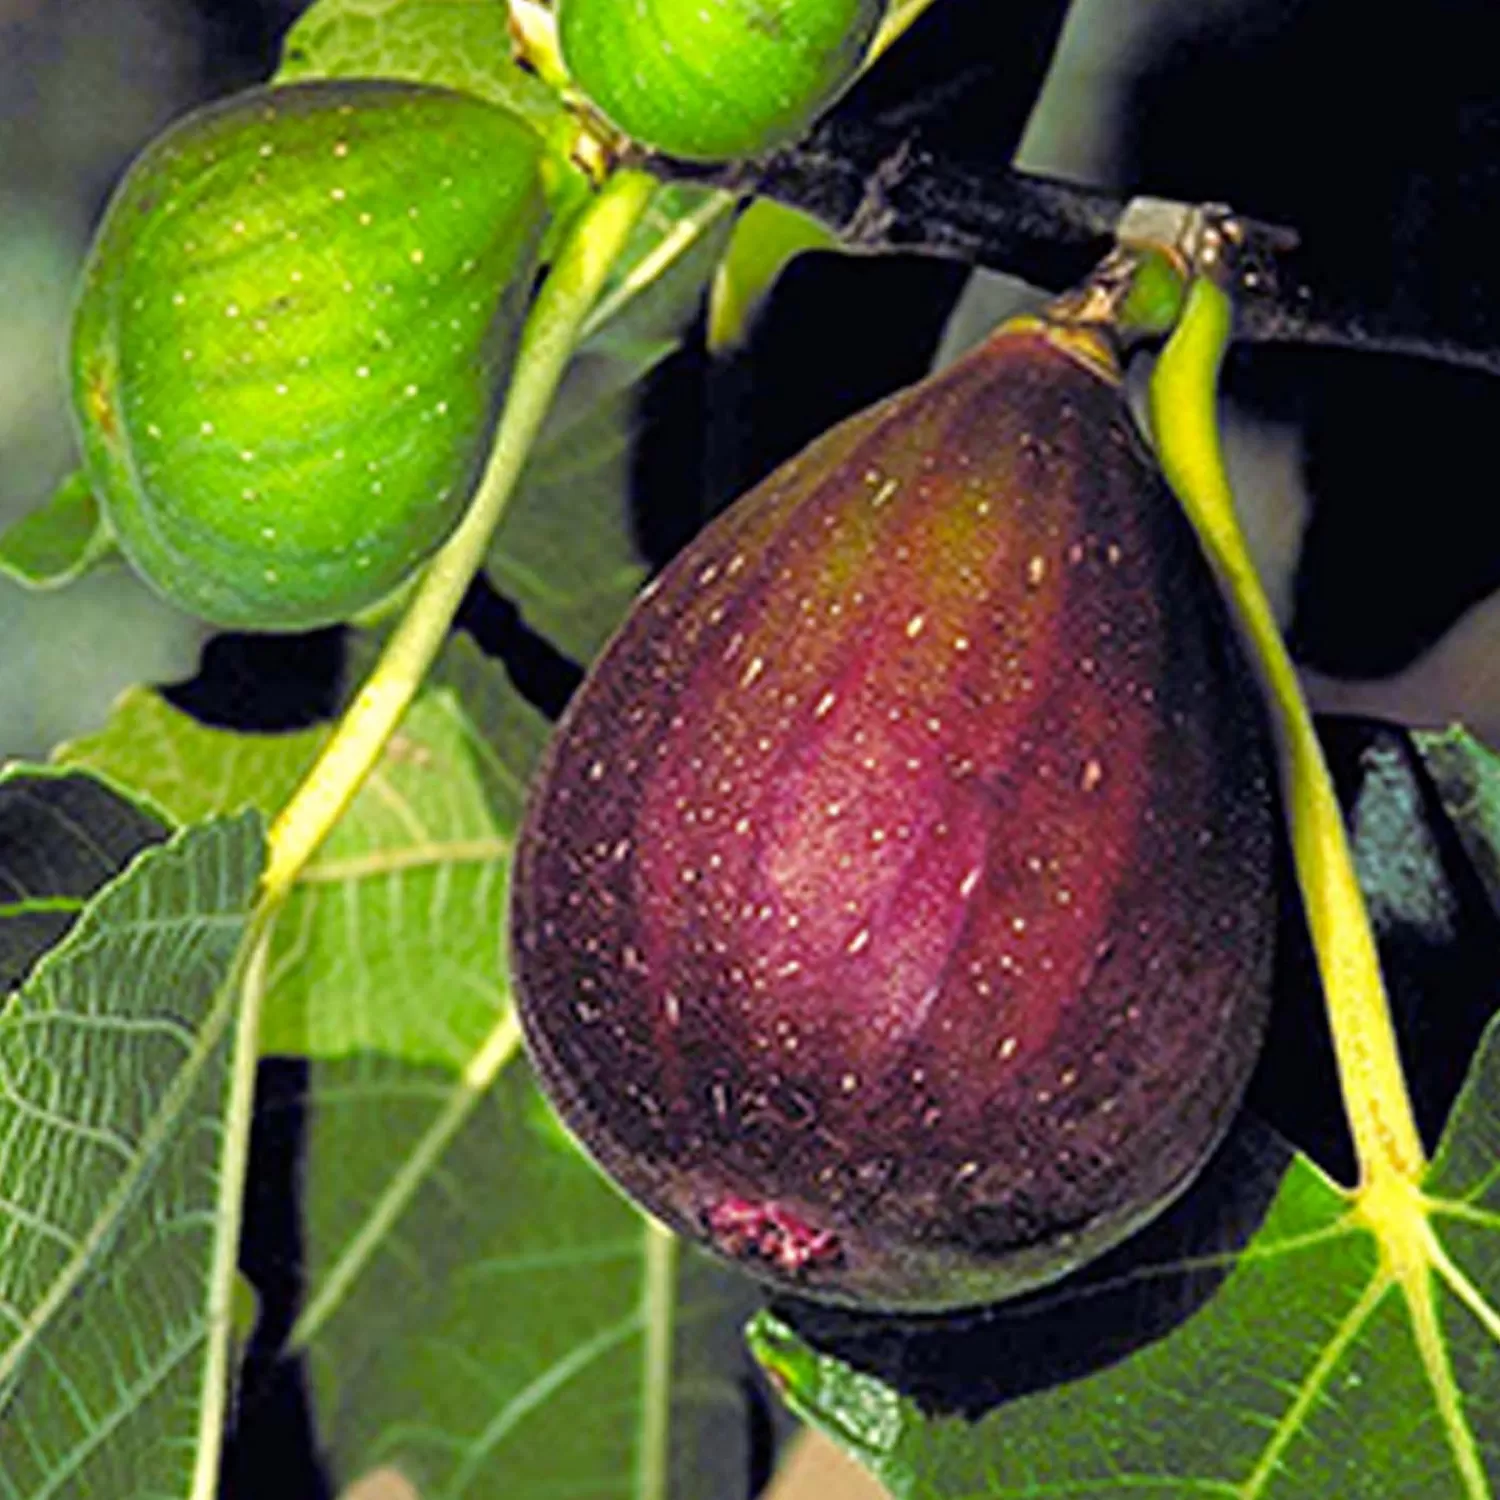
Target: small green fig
{"x": 714, "y": 80}
{"x": 893, "y": 910}
{"x": 292, "y": 337}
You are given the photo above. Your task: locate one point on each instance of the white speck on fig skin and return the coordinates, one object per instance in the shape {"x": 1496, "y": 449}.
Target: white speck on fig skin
{"x": 924, "y": 889}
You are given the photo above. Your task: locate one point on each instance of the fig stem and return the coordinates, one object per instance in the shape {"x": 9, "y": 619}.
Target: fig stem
{"x": 1185, "y": 428}
{"x": 249, "y": 975}
{"x": 533, "y": 29}
{"x": 658, "y": 1319}
{"x": 898, "y": 20}
{"x": 548, "y": 340}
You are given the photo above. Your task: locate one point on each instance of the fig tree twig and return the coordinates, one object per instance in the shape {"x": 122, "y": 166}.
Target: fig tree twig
{"x": 880, "y": 189}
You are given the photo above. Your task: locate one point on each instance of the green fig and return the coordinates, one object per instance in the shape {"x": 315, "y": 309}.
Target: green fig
{"x": 893, "y": 909}
{"x": 714, "y": 80}
{"x": 294, "y": 330}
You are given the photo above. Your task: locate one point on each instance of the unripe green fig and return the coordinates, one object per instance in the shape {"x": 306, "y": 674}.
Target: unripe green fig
{"x": 893, "y": 909}
{"x": 714, "y": 80}
{"x": 293, "y": 333}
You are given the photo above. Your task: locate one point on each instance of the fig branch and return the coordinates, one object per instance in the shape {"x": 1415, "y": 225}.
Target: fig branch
{"x": 879, "y": 188}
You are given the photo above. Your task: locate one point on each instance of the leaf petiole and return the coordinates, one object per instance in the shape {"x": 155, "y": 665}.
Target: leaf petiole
{"x": 1184, "y": 423}
{"x": 898, "y": 20}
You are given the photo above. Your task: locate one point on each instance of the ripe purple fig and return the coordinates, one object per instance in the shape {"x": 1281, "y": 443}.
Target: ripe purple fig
{"x": 893, "y": 911}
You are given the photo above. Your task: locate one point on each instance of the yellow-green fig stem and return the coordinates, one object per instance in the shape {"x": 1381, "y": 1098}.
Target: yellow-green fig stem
{"x": 547, "y": 344}
{"x": 898, "y": 20}
{"x": 1184, "y": 423}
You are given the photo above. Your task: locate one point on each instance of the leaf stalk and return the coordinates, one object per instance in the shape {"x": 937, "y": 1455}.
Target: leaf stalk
{"x": 1184, "y": 422}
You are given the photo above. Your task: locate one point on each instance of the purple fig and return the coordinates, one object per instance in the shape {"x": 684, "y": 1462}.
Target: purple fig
{"x": 893, "y": 910}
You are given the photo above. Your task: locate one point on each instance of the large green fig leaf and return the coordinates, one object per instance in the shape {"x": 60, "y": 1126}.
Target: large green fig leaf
{"x": 487, "y": 1316}
{"x": 1317, "y": 1368}
{"x": 62, "y": 837}
{"x": 392, "y": 940}
{"x": 186, "y": 771}
{"x": 117, "y": 1053}
{"x": 480, "y": 1307}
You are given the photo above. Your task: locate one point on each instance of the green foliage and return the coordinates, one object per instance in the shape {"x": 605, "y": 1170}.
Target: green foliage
{"x": 447, "y": 1219}
{"x": 768, "y": 236}
{"x": 60, "y": 542}
{"x": 185, "y": 770}
{"x": 63, "y": 837}
{"x": 1317, "y": 1368}
{"x": 115, "y": 1054}
{"x": 483, "y": 1308}
{"x": 349, "y": 970}
{"x": 1468, "y": 778}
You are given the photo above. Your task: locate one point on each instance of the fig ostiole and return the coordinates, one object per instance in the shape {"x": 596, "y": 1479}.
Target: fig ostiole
{"x": 292, "y": 336}
{"x": 893, "y": 909}
{"x": 714, "y": 80}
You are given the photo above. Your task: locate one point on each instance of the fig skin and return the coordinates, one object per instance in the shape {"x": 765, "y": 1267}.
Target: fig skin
{"x": 292, "y": 338}
{"x": 715, "y": 80}
{"x": 893, "y": 911}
